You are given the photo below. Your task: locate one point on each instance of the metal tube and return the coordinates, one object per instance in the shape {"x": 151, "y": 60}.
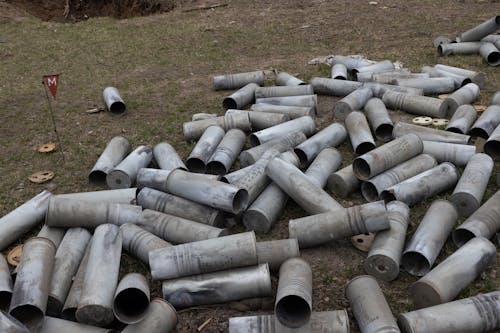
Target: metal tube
{"x": 275, "y": 252}
{"x": 429, "y": 134}
{"x": 203, "y": 116}
{"x": 115, "y": 151}
{"x": 424, "y": 185}
{"x": 379, "y": 119}
{"x": 293, "y": 304}
{"x": 484, "y": 222}
{"x": 431, "y": 234}
{"x": 446, "y": 280}
{"x": 152, "y": 178}
{"x": 462, "y": 48}
{"x": 492, "y": 38}
{"x": 281, "y": 91}
{"x": 75, "y": 213}
{"x": 218, "y": 287}
{"x": 337, "y": 224}
{"x": 53, "y": 234}
{"x": 385, "y": 253}
{"x": 462, "y": 119}
{"x": 281, "y": 144}
{"x": 67, "y": 259}
{"x": 334, "y": 87}
{"x": 331, "y": 136}
{"x": 177, "y": 230}
{"x": 472, "y": 185}
{"x": 238, "y": 80}
{"x": 301, "y": 100}
{"x": 113, "y": 100}
{"x": 476, "y": 77}
{"x": 465, "y": 95}
{"x": 339, "y": 72}
{"x": 379, "y": 89}
{"x": 359, "y": 133}
{"x": 131, "y": 300}
{"x": 261, "y": 120}
{"x": 369, "y": 306}
{"x": 291, "y": 111}
{"x": 490, "y": 53}
{"x": 95, "y": 306}
{"x": 486, "y": 123}
{"x": 123, "y": 196}
{"x": 170, "y": 204}
{"x": 226, "y": 152}
{"x": 71, "y": 304}
{"x": 203, "y": 256}
{"x": 381, "y": 66}
{"x": 205, "y": 147}
{"x": 457, "y": 154}
{"x": 138, "y": 241}
{"x": 160, "y": 318}
{"x": 5, "y": 284}
{"x": 167, "y": 158}
{"x": 430, "y": 86}
{"x": 212, "y": 193}
{"x": 319, "y": 322}
{"x": 389, "y": 77}
{"x": 419, "y": 105}
{"x": 343, "y": 182}
{"x": 123, "y": 175}
{"x": 23, "y": 218}
{"x": 352, "y": 61}
{"x": 285, "y": 79}
{"x": 371, "y": 188}
{"x": 475, "y": 314}
{"x": 482, "y": 30}
{"x": 303, "y": 124}
{"x": 327, "y": 162}
{"x": 492, "y": 146}
{"x": 193, "y": 130}
{"x": 300, "y": 188}
{"x": 460, "y": 80}
{"x": 9, "y": 324}
{"x": 52, "y": 325}
{"x": 354, "y": 101}
{"x": 387, "y": 156}
{"x": 29, "y": 298}
{"x": 240, "y": 98}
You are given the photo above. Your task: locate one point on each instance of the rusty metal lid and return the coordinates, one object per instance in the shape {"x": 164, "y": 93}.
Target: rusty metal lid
{"x": 41, "y": 176}
{"x": 14, "y": 255}
{"x": 422, "y": 121}
{"x": 363, "y": 242}
{"x": 47, "y": 147}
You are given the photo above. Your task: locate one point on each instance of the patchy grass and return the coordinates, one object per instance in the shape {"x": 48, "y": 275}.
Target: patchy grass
{"x": 163, "y": 66}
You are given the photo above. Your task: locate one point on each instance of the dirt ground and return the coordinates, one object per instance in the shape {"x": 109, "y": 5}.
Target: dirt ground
{"x": 163, "y": 64}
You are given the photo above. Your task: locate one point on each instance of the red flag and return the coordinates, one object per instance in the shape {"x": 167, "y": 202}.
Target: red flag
{"x": 52, "y": 81}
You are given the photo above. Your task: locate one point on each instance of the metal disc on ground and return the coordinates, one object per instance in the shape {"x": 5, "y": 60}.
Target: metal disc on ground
{"x": 41, "y": 176}
{"x": 422, "y": 121}
{"x": 47, "y": 147}
{"x": 480, "y": 107}
{"x": 363, "y": 242}
{"x": 14, "y": 255}
{"x": 439, "y": 122}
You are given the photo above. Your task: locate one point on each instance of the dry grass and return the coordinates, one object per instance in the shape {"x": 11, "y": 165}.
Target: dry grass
{"x": 163, "y": 66}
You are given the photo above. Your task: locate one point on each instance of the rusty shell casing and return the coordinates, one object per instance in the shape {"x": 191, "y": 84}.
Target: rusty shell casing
{"x": 334, "y": 87}
{"x": 240, "y": 98}
{"x": 276, "y": 252}
{"x": 303, "y": 124}
{"x": 161, "y": 317}
{"x": 418, "y": 105}
{"x": 138, "y": 241}
{"x": 369, "y": 306}
{"x": 204, "y": 148}
{"x": 475, "y": 314}
{"x": 337, "y": 224}
{"x": 472, "y": 184}
{"x": 387, "y": 156}
{"x": 293, "y": 304}
{"x": 203, "y": 256}
{"x": 486, "y": 123}
{"x": 124, "y": 174}
{"x": 167, "y": 157}
{"x": 343, "y": 182}
{"x": 484, "y": 222}
{"x": 463, "y": 119}
{"x": 285, "y": 79}
{"x": 289, "y": 110}
{"x": 372, "y": 188}
{"x": 379, "y": 119}
{"x": 360, "y": 135}
{"x": 281, "y": 91}
{"x": 429, "y": 134}
{"x": 131, "y": 300}
{"x": 354, "y": 101}
{"x": 237, "y": 80}
{"x": 218, "y": 287}
{"x": 424, "y": 185}
{"x": 115, "y": 151}
{"x": 113, "y": 100}
{"x": 31, "y": 289}
{"x": 385, "y": 253}
{"x": 431, "y": 234}
{"x": 262, "y": 120}
{"x": 331, "y": 136}
{"x": 95, "y": 306}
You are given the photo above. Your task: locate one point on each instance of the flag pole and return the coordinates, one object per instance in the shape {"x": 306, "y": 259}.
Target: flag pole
{"x": 51, "y": 111}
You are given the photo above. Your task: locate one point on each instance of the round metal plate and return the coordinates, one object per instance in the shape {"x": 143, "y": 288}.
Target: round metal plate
{"x": 363, "y": 242}
{"x": 422, "y": 121}
{"x": 41, "y": 176}
{"x": 14, "y": 255}
{"x": 47, "y": 147}
{"x": 439, "y": 122}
